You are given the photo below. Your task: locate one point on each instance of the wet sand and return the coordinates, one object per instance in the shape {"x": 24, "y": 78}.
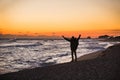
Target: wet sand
{"x": 102, "y": 65}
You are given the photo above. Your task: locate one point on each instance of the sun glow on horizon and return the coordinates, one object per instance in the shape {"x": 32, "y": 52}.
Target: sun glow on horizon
{"x": 68, "y": 17}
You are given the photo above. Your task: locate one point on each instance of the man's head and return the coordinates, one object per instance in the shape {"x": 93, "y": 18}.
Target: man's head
{"x": 73, "y": 37}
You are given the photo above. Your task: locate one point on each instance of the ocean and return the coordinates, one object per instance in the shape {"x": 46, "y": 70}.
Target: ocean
{"x": 27, "y": 54}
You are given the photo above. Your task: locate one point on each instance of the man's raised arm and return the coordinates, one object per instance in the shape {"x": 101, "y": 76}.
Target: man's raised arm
{"x": 79, "y": 37}
{"x": 66, "y": 38}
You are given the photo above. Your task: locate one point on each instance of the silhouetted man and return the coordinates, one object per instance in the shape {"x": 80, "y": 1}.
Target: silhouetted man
{"x": 74, "y": 42}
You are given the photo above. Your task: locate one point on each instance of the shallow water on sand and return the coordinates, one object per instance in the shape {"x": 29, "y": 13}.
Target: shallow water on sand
{"x": 22, "y": 54}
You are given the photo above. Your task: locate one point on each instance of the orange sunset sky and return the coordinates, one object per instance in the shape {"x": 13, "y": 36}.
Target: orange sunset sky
{"x": 60, "y": 17}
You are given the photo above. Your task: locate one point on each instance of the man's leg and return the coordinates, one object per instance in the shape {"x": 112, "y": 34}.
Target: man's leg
{"x": 75, "y": 56}
{"x": 72, "y": 56}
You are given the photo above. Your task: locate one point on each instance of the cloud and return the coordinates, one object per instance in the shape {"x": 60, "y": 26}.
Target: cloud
{"x": 5, "y": 4}
{"x": 111, "y": 5}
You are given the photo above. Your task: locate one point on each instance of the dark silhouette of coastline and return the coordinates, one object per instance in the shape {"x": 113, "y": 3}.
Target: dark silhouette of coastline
{"x": 109, "y": 38}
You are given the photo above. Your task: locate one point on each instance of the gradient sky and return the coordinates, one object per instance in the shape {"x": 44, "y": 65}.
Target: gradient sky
{"x": 93, "y": 17}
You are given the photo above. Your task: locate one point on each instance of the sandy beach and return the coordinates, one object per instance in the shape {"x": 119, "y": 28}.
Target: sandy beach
{"x": 101, "y": 65}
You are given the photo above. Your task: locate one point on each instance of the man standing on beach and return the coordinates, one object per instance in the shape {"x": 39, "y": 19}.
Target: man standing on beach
{"x": 74, "y": 42}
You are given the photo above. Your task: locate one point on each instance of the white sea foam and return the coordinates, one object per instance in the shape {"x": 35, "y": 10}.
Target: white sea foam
{"x": 20, "y": 45}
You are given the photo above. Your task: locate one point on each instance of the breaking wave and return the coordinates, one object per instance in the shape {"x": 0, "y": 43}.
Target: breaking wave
{"x": 21, "y": 45}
